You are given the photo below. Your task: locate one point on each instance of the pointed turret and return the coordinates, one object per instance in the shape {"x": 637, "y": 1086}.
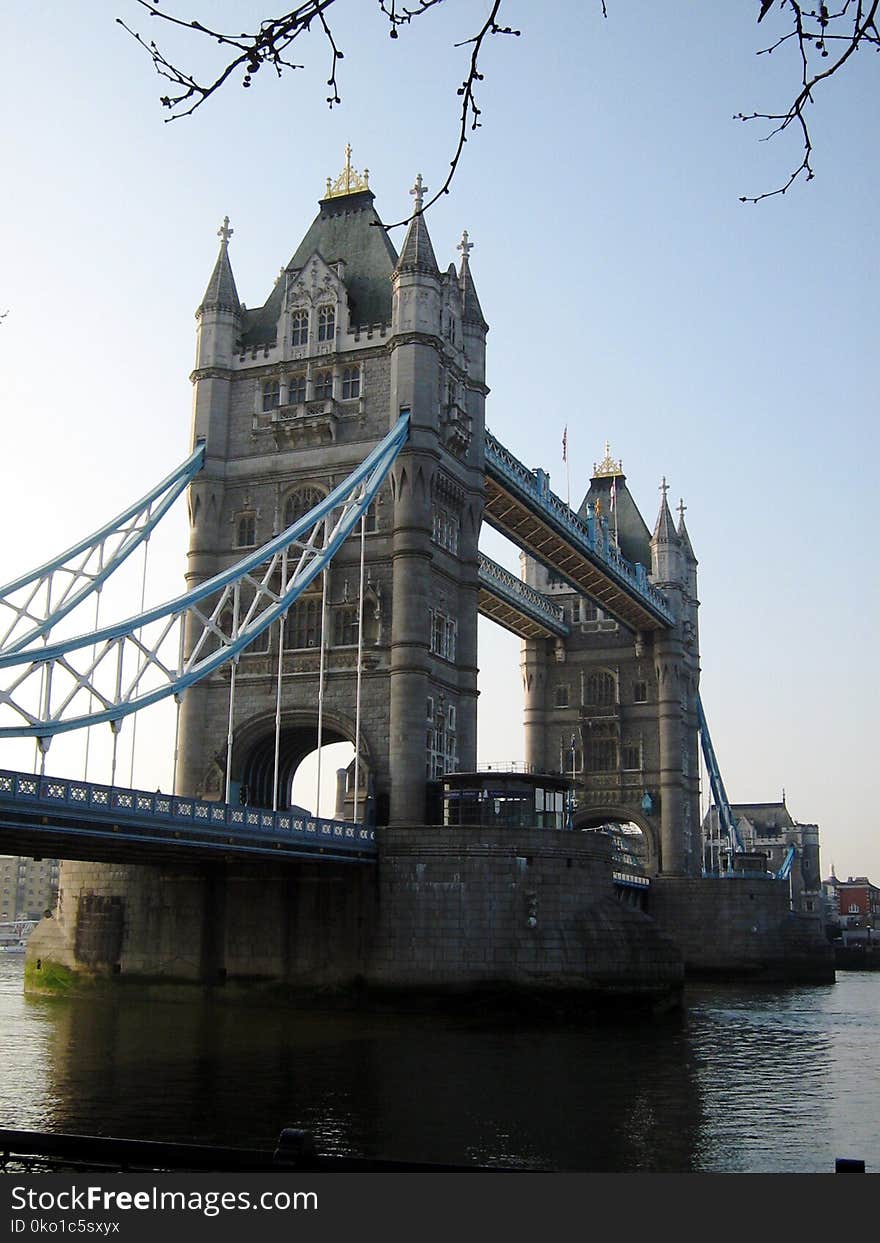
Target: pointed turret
{"x": 219, "y": 315}
{"x": 473, "y": 323}
{"x": 416, "y": 280}
{"x": 417, "y": 253}
{"x": 664, "y": 528}
{"x": 221, "y": 294}
{"x": 682, "y": 533}
{"x": 666, "y": 550}
{"x": 471, "y": 311}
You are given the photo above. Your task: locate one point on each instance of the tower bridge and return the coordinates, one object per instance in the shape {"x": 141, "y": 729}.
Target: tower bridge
{"x": 340, "y": 475}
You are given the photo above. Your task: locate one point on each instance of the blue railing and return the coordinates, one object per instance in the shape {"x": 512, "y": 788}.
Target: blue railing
{"x": 134, "y": 808}
{"x": 513, "y": 591}
{"x": 590, "y": 537}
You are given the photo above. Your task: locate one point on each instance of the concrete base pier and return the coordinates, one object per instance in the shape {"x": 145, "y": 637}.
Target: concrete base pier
{"x": 445, "y": 915}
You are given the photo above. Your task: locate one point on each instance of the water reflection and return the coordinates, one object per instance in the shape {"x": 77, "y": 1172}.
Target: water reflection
{"x": 744, "y": 1080}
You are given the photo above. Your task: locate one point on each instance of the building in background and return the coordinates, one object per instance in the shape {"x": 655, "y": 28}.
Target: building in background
{"x": 852, "y": 908}
{"x": 28, "y": 887}
{"x": 769, "y": 829}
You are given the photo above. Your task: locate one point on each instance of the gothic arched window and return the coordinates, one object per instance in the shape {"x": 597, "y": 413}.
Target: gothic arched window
{"x": 299, "y": 322}
{"x": 351, "y": 383}
{"x": 271, "y": 394}
{"x": 303, "y": 627}
{"x": 326, "y": 323}
{"x": 246, "y": 530}
{"x": 323, "y": 385}
{"x": 601, "y": 689}
{"x": 296, "y": 390}
{"x": 345, "y": 626}
{"x": 300, "y": 502}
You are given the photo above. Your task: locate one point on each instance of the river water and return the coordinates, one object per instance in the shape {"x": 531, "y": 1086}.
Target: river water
{"x": 745, "y": 1079}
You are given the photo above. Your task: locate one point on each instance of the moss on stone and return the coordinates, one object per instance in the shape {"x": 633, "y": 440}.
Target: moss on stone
{"x": 49, "y": 977}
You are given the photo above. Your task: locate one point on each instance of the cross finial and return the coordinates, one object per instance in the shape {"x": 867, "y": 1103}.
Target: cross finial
{"x": 348, "y": 166}
{"x": 418, "y": 192}
{"x": 465, "y": 246}
{"x": 224, "y": 232}
{"x": 681, "y": 508}
{"x": 664, "y": 487}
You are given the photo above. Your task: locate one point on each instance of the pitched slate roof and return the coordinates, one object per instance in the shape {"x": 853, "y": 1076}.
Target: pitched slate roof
{"x": 347, "y": 227}
{"x": 633, "y": 535}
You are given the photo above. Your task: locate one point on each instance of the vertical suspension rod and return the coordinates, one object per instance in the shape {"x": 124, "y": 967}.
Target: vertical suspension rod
{"x": 321, "y": 682}
{"x": 360, "y": 664}
{"x": 275, "y": 776}
{"x": 143, "y": 602}
{"x": 232, "y": 669}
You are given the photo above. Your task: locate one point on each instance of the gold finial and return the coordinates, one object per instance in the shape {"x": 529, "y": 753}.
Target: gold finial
{"x": 418, "y": 192}
{"x": 607, "y": 466}
{"x": 349, "y": 181}
{"x": 224, "y": 232}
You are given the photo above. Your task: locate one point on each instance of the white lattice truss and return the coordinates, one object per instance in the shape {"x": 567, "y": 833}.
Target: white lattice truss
{"x": 33, "y": 604}
{"x": 112, "y": 672}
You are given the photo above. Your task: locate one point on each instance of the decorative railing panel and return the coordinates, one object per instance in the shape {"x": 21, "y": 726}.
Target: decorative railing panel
{"x": 131, "y": 809}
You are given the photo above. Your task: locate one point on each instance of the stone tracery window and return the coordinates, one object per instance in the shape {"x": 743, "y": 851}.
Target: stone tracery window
{"x": 351, "y": 383}
{"x": 296, "y": 392}
{"x": 326, "y": 323}
{"x": 271, "y": 394}
{"x": 303, "y": 627}
{"x": 300, "y": 502}
{"x": 323, "y": 385}
{"x": 345, "y": 626}
{"x": 601, "y": 690}
{"x": 246, "y": 530}
{"x": 446, "y": 527}
{"x": 443, "y": 634}
{"x": 299, "y": 322}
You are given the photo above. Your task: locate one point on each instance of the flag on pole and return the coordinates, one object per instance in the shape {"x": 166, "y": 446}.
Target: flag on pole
{"x": 565, "y": 443}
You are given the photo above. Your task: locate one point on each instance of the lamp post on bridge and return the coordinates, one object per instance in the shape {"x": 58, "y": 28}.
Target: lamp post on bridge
{"x": 571, "y": 801}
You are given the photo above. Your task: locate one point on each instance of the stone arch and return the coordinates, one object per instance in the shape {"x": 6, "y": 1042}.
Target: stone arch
{"x": 592, "y": 817}
{"x": 253, "y": 750}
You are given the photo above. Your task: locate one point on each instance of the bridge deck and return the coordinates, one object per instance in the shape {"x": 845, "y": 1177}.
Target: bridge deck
{"x": 60, "y": 818}
{"x": 521, "y": 506}
{"x": 511, "y": 603}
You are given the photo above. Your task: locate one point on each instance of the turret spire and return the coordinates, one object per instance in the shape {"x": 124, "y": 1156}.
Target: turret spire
{"x": 472, "y": 312}
{"x": 682, "y": 533}
{"x": 664, "y": 529}
{"x": 417, "y": 253}
{"x": 221, "y": 294}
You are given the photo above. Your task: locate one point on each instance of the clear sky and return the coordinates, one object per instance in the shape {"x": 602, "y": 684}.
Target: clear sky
{"x": 630, "y": 295}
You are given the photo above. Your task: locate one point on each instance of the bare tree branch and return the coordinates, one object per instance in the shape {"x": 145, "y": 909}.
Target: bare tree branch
{"x": 848, "y": 28}
{"x": 816, "y": 34}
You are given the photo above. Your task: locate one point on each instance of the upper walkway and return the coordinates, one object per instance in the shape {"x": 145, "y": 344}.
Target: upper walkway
{"x": 515, "y": 605}
{"x": 521, "y": 506}
{"x": 54, "y": 817}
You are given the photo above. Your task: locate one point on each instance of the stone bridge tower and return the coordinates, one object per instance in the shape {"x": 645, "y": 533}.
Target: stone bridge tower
{"x": 617, "y": 710}
{"x": 290, "y": 397}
